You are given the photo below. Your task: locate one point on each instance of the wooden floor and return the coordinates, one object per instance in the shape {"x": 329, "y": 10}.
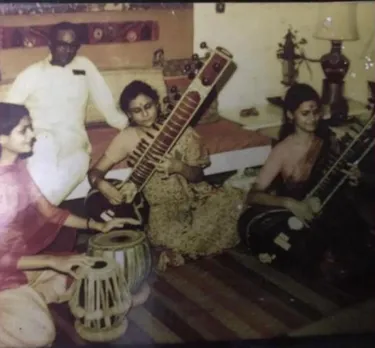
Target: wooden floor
{"x": 229, "y": 297}
{"x": 234, "y": 297}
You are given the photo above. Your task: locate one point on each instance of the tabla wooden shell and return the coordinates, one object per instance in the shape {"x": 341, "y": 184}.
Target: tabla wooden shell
{"x": 100, "y": 301}
{"x": 130, "y": 249}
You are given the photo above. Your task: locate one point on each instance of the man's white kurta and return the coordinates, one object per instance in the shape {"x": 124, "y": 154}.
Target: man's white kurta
{"x": 57, "y": 99}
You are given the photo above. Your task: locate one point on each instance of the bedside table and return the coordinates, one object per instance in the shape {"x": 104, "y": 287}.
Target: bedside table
{"x": 270, "y": 116}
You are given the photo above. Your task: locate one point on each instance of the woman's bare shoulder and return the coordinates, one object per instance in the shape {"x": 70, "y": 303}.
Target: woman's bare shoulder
{"x": 283, "y": 146}
{"x": 127, "y": 135}
{"x": 122, "y": 143}
{"x": 128, "y": 131}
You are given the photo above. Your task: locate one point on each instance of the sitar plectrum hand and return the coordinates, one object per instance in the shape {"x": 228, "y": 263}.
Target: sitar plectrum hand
{"x": 128, "y": 190}
{"x": 167, "y": 164}
{"x": 353, "y": 173}
{"x": 301, "y": 209}
{"x": 315, "y": 204}
{"x": 111, "y": 192}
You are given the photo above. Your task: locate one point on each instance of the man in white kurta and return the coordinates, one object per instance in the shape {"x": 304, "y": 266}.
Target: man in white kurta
{"x": 56, "y": 91}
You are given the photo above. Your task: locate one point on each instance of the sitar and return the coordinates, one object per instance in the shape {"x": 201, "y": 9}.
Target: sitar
{"x": 276, "y": 231}
{"x": 160, "y": 143}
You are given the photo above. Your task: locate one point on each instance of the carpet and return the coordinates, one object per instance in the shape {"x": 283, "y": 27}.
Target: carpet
{"x": 224, "y": 298}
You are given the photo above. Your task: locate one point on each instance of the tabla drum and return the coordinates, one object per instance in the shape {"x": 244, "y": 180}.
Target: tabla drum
{"x": 100, "y": 301}
{"x": 130, "y": 249}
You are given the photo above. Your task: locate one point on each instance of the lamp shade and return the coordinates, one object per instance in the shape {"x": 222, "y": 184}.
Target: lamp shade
{"x": 368, "y": 56}
{"x": 368, "y": 53}
{"x": 337, "y": 21}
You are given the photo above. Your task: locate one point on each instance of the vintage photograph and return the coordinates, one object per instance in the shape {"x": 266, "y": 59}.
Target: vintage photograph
{"x": 176, "y": 173}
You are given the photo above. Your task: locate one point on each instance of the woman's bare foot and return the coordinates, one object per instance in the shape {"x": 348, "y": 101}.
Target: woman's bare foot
{"x": 177, "y": 259}
{"x": 171, "y": 258}
{"x": 163, "y": 262}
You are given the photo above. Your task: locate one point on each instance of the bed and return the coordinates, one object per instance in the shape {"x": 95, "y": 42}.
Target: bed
{"x": 230, "y": 146}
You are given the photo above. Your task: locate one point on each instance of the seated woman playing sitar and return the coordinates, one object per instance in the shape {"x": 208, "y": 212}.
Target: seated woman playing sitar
{"x": 188, "y": 216}
{"x": 289, "y": 172}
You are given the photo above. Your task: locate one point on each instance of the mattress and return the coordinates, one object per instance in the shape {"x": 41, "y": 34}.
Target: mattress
{"x": 221, "y": 136}
{"x": 231, "y": 148}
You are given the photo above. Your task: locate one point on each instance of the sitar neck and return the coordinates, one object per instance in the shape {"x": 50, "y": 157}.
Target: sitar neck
{"x": 173, "y": 127}
{"x": 356, "y": 148}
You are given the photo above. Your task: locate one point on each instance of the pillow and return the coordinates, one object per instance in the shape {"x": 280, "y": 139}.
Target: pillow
{"x": 174, "y": 76}
{"x": 225, "y": 135}
{"x": 117, "y": 79}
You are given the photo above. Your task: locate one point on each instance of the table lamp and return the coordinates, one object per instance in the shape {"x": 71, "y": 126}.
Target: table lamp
{"x": 368, "y": 55}
{"x": 337, "y": 22}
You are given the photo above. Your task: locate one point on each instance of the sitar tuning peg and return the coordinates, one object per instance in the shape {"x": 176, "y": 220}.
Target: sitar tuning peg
{"x": 173, "y": 89}
{"x": 195, "y": 57}
{"x": 198, "y": 65}
{"x": 205, "y": 81}
{"x": 169, "y": 107}
{"x": 203, "y": 45}
{"x": 166, "y": 100}
{"x": 187, "y": 68}
{"x": 191, "y": 76}
{"x": 177, "y": 96}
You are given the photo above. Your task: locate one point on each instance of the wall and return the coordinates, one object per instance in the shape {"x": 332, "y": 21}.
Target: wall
{"x": 252, "y": 31}
{"x": 175, "y": 28}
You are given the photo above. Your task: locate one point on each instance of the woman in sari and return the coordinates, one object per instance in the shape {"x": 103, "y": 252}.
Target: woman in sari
{"x": 188, "y": 216}
{"x": 30, "y": 277}
{"x": 287, "y": 176}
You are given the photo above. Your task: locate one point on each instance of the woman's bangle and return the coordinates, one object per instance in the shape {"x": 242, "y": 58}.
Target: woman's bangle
{"x": 88, "y": 223}
{"x": 95, "y": 176}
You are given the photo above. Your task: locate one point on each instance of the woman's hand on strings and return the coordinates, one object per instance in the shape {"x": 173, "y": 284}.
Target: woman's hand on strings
{"x": 71, "y": 264}
{"x": 353, "y": 173}
{"x": 301, "y": 209}
{"x": 168, "y": 164}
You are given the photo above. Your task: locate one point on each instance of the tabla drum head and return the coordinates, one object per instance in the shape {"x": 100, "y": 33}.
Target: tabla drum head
{"x": 101, "y": 266}
{"x": 114, "y": 240}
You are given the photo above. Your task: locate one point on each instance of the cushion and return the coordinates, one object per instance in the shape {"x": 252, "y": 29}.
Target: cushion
{"x": 118, "y": 79}
{"x": 225, "y": 135}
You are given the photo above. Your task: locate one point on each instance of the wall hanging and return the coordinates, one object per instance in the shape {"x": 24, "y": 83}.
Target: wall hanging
{"x": 90, "y": 33}
{"x": 42, "y": 8}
